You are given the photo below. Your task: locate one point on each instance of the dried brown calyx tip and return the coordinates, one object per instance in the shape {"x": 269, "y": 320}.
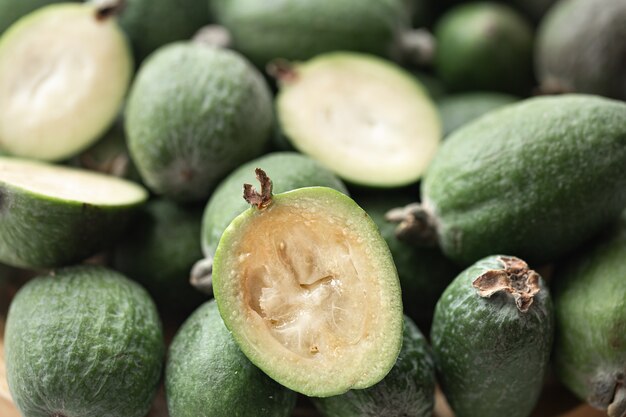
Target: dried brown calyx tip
{"x": 416, "y": 224}
{"x": 515, "y": 278}
{"x": 281, "y": 70}
{"x": 252, "y": 196}
{"x": 201, "y": 277}
{"x": 106, "y": 9}
{"x": 617, "y": 408}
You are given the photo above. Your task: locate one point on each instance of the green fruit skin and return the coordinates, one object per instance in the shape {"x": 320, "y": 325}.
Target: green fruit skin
{"x": 407, "y": 391}
{"x": 534, "y": 9}
{"x": 590, "y": 306}
{"x": 83, "y": 342}
{"x": 484, "y": 46}
{"x": 490, "y": 357}
{"x": 150, "y": 24}
{"x": 424, "y": 272}
{"x": 457, "y": 110}
{"x": 287, "y": 170}
{"x": 536, "y": 178}
{"x": 38, "y": 231}
{"x": 194, "y": 114}
{"x": 580, "y": 47}
{"x": 207, "y": 374}
{"x": 12, "y": 10}
{"x": 301, "y": 29}
{"x": 159, "y": 251}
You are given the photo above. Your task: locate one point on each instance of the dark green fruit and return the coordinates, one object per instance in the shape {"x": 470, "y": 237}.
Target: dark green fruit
{"x": 309, "y": 290}
{"x": 150, "y": 24}
{"x": 54, "y": 215}
{"x": 207, "y": 374}
{"x": 194, "y": 114}
{"x": 55, "y": 103}
{"x": 581, "y": 48}
{"x": 536, "y": 178}
{"x": 492, "y": 335}
{"x": 590, "y": 305}
{"x": 484, "y": 46}
{"x": 159, "y": 250}
{"x": 84, "y": 341}
{"x": 301, "y": 29}
{"x": 424, "y": 272}
{"x": 459, "y": 109}
{"x": 407, "y": 391}
{"x": 534, "y": 9}
{"x": 326, "y": 108}
{"x": 12, "y": 10}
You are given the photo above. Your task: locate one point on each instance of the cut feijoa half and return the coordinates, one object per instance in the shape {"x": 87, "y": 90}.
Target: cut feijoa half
{"x": 361, "y": 116}
{"x": 308, "y": 288}
{"x": 64, "y": 71}
{"x": 54, "y": 215}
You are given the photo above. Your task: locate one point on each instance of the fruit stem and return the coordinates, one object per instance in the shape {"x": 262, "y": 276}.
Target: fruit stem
{"x": 514, "y": 278}
{"x": 617, "y": 408}
{"x": 215, "y": 36}
{"x": 106, "y": 9}
{"x": 202, "y": 275}
{"x": 252, "y": 196}
{"x": 417, "y": 225}
{"x": 282, "y": 70}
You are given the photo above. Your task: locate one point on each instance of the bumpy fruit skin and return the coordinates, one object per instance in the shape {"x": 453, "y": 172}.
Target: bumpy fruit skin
{"x": 288, "y": 171}
{"x": 407, "y": 390}
{"x": 484, "y": 46}
{"x": 207, "y": 374}
{"x": 580, "y": 48}
{"x": 150, "y": 24}
{"x": 491, "y": 358}
{"x": 536, "y": 178}
{"x": 457, "y": 110}
{"x": 194, "y": 114}
{"x": 11, "y": 10}
{"x": 159, "y": 250}
{"x": 83, "y": 342}
{"x": 301, "y": 29}
{"x": 590, "y": 307}
{"x": 39, "y": 231}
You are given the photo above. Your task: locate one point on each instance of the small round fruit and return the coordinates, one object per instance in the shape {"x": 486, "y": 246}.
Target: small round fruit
{"x": 362, "y": 117}
{"x": 54, "y": 215}
{"x": 84, "y": 341}
{"x": 194, "y": 114}
{"x": 208, "y": 375}
{"x": 64, "y": 72}
{"x": 308, "y": 288}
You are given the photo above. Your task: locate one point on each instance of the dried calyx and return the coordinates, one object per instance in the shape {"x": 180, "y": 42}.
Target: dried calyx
{"x": 281, "y": 70}
{"x": 416, "y": 224}
{"x": 252, "y": 196}
{"x": 106, "y": 9}
{"x": 515, "y": 278}
{"x": 617, "y": 408}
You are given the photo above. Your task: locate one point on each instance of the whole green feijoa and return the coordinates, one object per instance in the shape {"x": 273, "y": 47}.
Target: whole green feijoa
{"x": 194, "y": 114}
{"x": 83, "y": 341}
{"x": 580, "y": 48}
{"x": 159, "y": 250}
{"x": 150, "y": 24}
{"x": 288, "y": 170}
{"x": 492, "y": 335}
{"x": 299, "y": 30}
{"x": 484, "y": 46}
{"x": 536, "y": 178}
{"x": 12, "y": 10}
{"x": 590, "y": 306}
{"x": 407, "y": 390}
{"x": 208, "y": 375}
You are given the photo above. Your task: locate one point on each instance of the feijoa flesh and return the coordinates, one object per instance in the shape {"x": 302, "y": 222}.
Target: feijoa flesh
{"x": 308, "y": 288}
{"x": 590, "y": 306}
{"x": 84, "y": 341}
{"x": 208, "y": 375}
{"x": 492, "y": 335}
{"x": 64, "y": 72}
{"x": 362, "y": 117}
{"x": 536, "y": 178}
{"x": 54, "y": 215}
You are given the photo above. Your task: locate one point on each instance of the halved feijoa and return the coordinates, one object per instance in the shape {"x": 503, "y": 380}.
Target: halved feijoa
{"x": 308, "y": 288}
{"x": 54, "y": 215}
{"x": 361, "y": 116}
{"x": 64, "y": 71}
